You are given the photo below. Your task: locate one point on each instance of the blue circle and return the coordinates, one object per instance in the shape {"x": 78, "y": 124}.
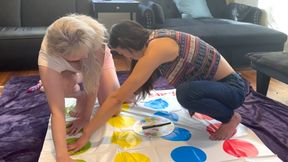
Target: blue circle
{"x": 165, "y": 114}
{"x": 156, "y": 104}
{"x": 178, "y": 134}
{"x": 188, "y": 154}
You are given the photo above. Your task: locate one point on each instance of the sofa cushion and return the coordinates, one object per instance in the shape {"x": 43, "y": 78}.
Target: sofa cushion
{"x": 20, "y": 47}
{"x": 225, "y": 32}
{"x": 10, "y": 33}
{"x": 193, "y": 9}
{"x": 44, "y": 12}
{"x": 10, "y": 13}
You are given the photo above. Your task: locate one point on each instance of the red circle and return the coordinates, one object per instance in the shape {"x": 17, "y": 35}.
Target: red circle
{"x": 211, "y": 128}
{"x": 240, "y": 148}
{"x": 202, "y": 116}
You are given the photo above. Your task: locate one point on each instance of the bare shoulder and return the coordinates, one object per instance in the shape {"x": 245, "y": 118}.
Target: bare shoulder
{"x": 164, "y": 47}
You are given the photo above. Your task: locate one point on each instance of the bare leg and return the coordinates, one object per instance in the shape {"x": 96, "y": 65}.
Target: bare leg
{"x": 227, "y": 130}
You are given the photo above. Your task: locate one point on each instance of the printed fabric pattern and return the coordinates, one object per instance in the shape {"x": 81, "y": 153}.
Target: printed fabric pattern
{"x": 197, "y": 60}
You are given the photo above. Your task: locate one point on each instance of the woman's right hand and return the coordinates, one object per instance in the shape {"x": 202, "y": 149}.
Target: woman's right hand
{"x": 79, "y": 143}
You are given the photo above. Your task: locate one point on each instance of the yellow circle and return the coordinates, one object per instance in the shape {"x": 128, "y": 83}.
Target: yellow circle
{"x": 131, "y": 157}
{"x": 121, "y": 121}
{"x": 126, "y": 139}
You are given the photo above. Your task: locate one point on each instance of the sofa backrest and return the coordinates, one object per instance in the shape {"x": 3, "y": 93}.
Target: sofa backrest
{"x": 10, "y": 13}
{"x": 217, "y": 7}
{"x": 170, "y": 10}
{"x": 28, "y": 13}
{"x": 44, "y": 12}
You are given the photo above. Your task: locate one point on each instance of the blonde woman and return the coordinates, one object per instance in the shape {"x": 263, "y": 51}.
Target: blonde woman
{"x": 74, "y": 61}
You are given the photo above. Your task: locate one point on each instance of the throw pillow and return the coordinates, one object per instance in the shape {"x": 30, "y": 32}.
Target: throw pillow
{"x": 193, "y": 8}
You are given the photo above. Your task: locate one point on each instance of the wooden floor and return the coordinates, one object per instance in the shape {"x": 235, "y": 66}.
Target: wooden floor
{"x": 277, "y": 90}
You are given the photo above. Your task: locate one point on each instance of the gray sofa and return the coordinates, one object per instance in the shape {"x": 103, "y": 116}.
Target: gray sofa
{"x": 23, "y": 24}
{"x": 233, "y": 30}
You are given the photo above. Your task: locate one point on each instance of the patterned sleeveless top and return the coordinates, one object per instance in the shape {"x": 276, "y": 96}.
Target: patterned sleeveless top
{"x": 197, "y": 60}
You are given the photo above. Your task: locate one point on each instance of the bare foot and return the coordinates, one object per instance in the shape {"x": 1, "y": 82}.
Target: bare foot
{"x": 227, "y": 130}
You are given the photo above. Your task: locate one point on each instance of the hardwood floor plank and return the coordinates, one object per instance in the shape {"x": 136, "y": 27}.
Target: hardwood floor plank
{"x": 6, "y": 75}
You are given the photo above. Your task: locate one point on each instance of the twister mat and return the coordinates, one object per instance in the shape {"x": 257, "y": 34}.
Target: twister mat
{"x": 158, "y": 129}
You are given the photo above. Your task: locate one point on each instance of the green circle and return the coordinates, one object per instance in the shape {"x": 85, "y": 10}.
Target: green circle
{"x": 80, "y": 160}
{"x": 83, "y": 149}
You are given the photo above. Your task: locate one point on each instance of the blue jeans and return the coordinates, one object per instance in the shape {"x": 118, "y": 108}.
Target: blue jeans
{"x": 217, "y": 99}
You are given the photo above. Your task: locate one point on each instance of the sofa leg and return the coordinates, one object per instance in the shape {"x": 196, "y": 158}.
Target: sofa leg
{"x": 262, "y": 83}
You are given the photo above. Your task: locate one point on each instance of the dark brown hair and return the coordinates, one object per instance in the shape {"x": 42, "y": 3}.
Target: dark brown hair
{"x": 131, "y": 35}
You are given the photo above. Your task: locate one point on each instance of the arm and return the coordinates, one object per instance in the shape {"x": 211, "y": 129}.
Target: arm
{"x": 52, "y": 82}
{"x": 108, "y": 80}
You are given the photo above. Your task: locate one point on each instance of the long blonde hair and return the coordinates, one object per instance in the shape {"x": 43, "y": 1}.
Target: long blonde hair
{"x": 73, "y": 32}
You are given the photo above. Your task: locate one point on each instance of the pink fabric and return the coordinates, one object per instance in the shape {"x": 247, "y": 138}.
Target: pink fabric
{"x": 108, "y": 60}
{"x": 108, "y": 80}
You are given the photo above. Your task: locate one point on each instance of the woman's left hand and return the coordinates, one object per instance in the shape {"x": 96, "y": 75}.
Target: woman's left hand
{"x": 72, "y": 148}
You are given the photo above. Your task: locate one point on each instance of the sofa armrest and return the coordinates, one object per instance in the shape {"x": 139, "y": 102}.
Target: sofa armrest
{"x": 244, "y": 13}
{"x": 150, "y": 14}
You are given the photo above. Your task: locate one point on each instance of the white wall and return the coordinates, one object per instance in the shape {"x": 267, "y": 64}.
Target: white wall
{"x": 276, "y": 12}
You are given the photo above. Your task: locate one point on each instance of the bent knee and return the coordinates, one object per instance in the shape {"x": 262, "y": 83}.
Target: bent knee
{"x": 187, "y": 94}
{"x": 182, "y": 94}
